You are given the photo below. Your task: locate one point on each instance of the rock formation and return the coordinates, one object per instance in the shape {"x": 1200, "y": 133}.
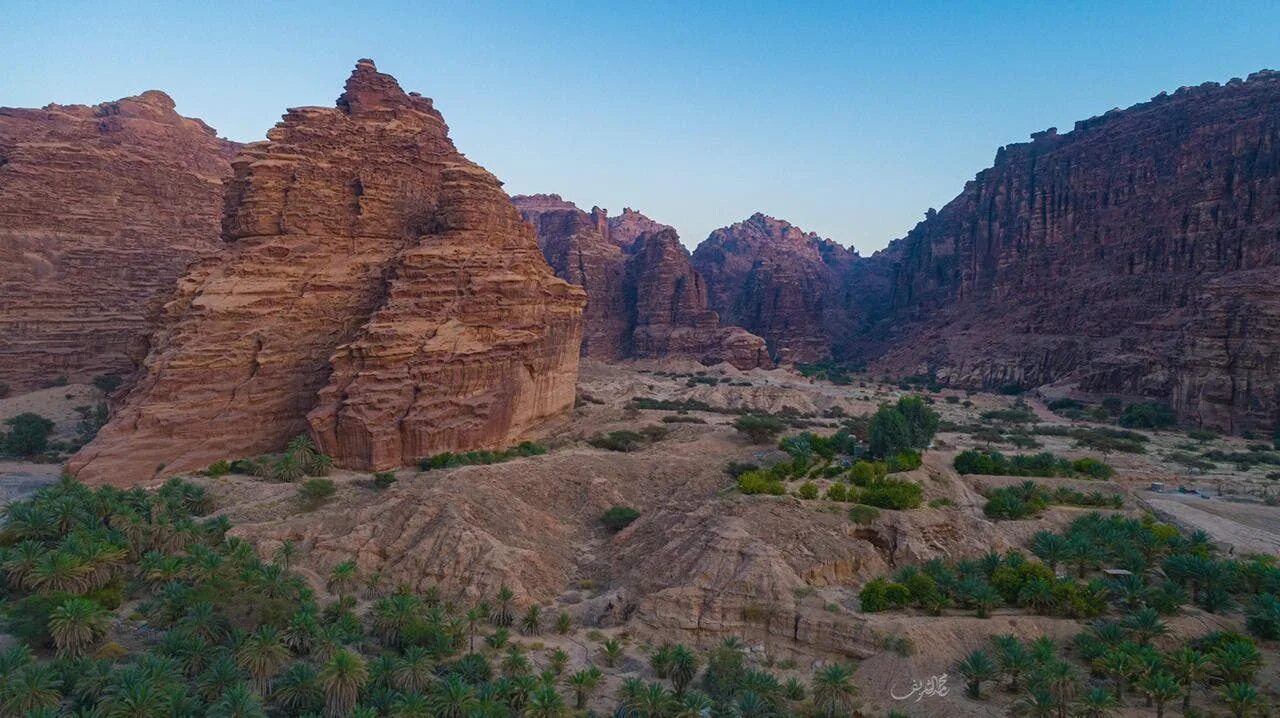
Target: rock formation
{"x": 804, "y": 294}
{"x": 101, "y": 209}
{"x": 379, "y": 290}
{"x": 644, "y": 298}
{"x": 1135, "y": 255}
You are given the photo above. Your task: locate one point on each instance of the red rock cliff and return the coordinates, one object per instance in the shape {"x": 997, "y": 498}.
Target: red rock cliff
{"x": 1135, "y": 255}
{"x": 789, "y": 286}
{"x": 644, "y": 298}
{"x": 101, "y": 209}
{"x": 380, "y": 290}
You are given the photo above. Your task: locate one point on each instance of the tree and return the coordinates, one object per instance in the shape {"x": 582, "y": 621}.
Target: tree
{"x": 297, "y": 689}
{"x": 612, "y": 651}
{"x": 1241, "y": 699}
{"x": 976, "y": 669}
{"x": 28, "y": 435}
{"x": 833, "y": 691}
{"x": 285, "y": 554}
{"x": 888, "y": 433}
{"x": 1188, "y": 667}
{"x": 1014, "y": 660}
{"x": 545, "y": 702}
{"x": 75, "y": 625}
{"x": 237, "y": 702}
{"x": 343, "y": 579}
{"x": 33, "y": 687}
{"x": 1263, "y": 616}
{"x": 1097, "y": 703}
{"x": 684, "y": 666}
{"x": 1145, "y": 624}
{"x": 531, "y": 624}
{"x": 584, "y": 682}
{"x": 1160, "y": 687}
{"x": 1121, "y": 665}
{"x": 502, "y": 614}
{"x": 453, "y": 698}
{"x": 342, "y": 677}
{"x": 414, "y": 671}
{"x": 759, "y": 429}
{"x": 263, "y": 655}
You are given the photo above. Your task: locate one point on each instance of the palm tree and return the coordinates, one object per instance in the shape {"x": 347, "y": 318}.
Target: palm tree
{"x": 411, "y": 705}
{"x": 288, "y": 469}
{"x": 237, "y": 702}
{"x": 453, "y": 699}
{"x": 545, "y": 702}
{"x": 1059, "y": 679}
{"x": 1121, "y": 665}
{"x": 1188, "y": 667}
{"x": 59, "y": 572}
{"x": 584, "y": 682}
{"x": 563, "y": 623}
{"x": 285, "y": 554}
{"x": 984, "y": 598}
{"x": 531, "y": 624}
{"x": 1241, "y": 699}
{"x": 683, "y": 667}
{"x": 1014, "y": 660}
{"x": 660, "y": 660}
{"x": 833, "y": 691}
{"x": 558, "y": 659}
{"x": 692, "y": 705}
{"x": 1036, "y": 703}
{"x": 753, "y": 705}
{"x": 502, "y": 615}
{"x": 1160, "y": 688}
{"x": 395, "y": 616}
{"x": 137, "y": 696}
{"x": 1050, "y": 548}
{"x": 221, "y": 674}
{"x": 515, "y": 663}
{"x": 75, "y": 625}
{"x": 297, "y": 689}
{"x": 612, "y": 651}
{"x": 34, "y": 686}
{"x": 413, "y": 672}
{"x": 343, "y": 579}
{"x": 342, "y": 677}
{"x": 1145, "y": 625}
{"x": 262, "y": 655}
{"x": 1236, "y": 662}
{"x": 976, "y": 668}
{"x": 1097, "y": 703}
{"x": 473, "y": 617}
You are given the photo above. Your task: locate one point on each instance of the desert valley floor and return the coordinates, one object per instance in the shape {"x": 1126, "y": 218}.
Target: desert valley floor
{"x": 703, "y": 562}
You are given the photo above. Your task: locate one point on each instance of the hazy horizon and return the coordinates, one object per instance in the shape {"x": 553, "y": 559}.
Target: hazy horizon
{"x": 846, "y": 121}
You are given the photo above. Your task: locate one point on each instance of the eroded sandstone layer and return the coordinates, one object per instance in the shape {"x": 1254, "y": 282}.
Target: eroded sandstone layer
{"x": 380, "y": 291}
{"x": 645, "y": 300}
{"x": 1134, "y": 255}
{"x": 101, "y": 209}
{"x": 801, "y": 292}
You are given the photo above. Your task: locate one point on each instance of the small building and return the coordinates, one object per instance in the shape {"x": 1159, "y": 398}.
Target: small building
{"x": 1116, "y": 572}
{"x": 1157, "y": 486}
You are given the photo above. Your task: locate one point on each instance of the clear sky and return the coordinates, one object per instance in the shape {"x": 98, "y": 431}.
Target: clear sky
{"x": 849, "y": 119}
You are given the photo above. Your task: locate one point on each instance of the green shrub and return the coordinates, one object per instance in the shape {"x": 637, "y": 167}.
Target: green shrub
{"x": 892, "y": 494}
{"x": 1044, "y": 464}
{"x": 1147, "y": 416}
{"x": 449, "y": 459}
{"x": 28, "y": 435}
{"x": 882, "y": 595}
{"x": 383, "y": 479}
{"x": 864, "y": 472}
{"x": 760, "y": 481}
{"x": 837, "y": 492}
{"x": 863, "y": 514}
{"x": 619, "y": 517}
{"x": 219, "y": 468}
{"x": 808, "y": 490}
{"x": 317, "y": 489}
{"x": 905, "y": 461}
{"x": 618, "y": 441}
{"x": 682, "y": 419}
{"x": 735, "y": 469}
{"x": 759, "y": 429}
{"x": 1092, "y": 468}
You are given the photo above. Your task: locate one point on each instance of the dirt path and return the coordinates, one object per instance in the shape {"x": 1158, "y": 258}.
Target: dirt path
{"x": 1249, "y": 528}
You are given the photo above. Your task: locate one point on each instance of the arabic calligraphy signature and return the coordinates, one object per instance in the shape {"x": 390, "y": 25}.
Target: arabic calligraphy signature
{"x": 932, "y": 686}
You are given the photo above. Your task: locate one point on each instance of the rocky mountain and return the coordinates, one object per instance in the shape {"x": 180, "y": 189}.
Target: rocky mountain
{"x": 807, "y": 296}
{"x": 379, "y": 291}
{"x": 645, "y": 300}
{"x": 101, "y": 209}
{"x": 1135, "y": 255}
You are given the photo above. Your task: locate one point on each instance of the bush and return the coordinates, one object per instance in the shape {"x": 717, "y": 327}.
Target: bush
{"x": 760, "y": 481}
{"x": 383, "y": 479}
{"x": 882, "y": 595}
{"x": 863, "y": 514}
{"x": 219, "y": 468}
{"x": 1044, "y": 464}
{"x": 1092, "y": 468}
{"x": 617, "y": 441}
{"x": 807, "y": 490}
{"x": 759, "y": 429}
{"x": 448, "y": 459}
{"x": 682, "y": 419}
{"x": 107, "y": 383}
{"x": 619, "y": 517}
{"x": 735, "y": 469}
{"x": 28, "y": 435}
{"x": 1147, "y": 416}
{"x": 892, "y": 494}
{"x": 316, "y": 489}
{"x": 909, "y": 424}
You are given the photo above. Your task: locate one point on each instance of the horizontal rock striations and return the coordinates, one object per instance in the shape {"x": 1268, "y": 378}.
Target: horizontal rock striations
{"x": 379, "y": 291}
{"x": 101, "y": 209}
{"x": 644, "y": 298}
{"x": 804, "y": 294}
{"x": 1135, "y": 255}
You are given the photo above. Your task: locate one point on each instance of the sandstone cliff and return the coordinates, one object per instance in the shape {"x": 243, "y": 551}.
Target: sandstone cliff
{"x": 804, "y": 294}
{"x": 380, "y": 290}
{"x": 645, "y": 300}
{"x": 101, "y": 209}
{"x": 1134, "y": 255}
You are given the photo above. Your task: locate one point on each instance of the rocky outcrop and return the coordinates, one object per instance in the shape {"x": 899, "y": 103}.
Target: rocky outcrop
{"x": 807, "y": 296}
{"x": 379, "y": 291}
{"x": 1134, "y": 256}
{"x": 101, "y": 209}
{"x": 644, "y": 298}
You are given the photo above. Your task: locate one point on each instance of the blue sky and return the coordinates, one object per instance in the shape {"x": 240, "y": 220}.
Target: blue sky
{"x": 849, "y": 119}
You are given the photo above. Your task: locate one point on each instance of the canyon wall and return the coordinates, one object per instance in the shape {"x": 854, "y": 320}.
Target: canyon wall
{"x": 645, "y": 300}
{"x": 807, "y": 296}
{"x": 1135, "y": 255}
{"x": 379, "y": 291}
{"x": 101, "y": 209}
